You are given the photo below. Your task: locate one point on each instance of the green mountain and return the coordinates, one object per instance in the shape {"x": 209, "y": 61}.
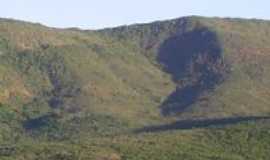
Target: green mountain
{"x": 187, "y": 88}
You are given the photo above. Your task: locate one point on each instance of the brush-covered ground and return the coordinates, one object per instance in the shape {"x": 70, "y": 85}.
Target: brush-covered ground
{"x": 189, "y": 88}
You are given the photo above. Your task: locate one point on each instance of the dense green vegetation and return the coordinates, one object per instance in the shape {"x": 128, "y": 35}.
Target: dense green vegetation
{"x": 70, "y": 94}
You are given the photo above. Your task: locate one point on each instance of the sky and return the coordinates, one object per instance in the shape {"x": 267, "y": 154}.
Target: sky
{"x": 95, "y": 14}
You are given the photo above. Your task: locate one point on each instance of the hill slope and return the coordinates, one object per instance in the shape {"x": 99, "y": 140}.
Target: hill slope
{"x": 91, "y": 91}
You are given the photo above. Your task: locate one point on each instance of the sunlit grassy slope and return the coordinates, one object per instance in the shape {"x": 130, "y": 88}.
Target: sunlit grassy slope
{"x": 76, "y": 94}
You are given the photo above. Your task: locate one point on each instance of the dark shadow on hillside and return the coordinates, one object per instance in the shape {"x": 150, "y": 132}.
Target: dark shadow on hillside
{"x": 204, "y": 123}
{"x": 179, "y": 100}
{"x": 194, "y": 59}
{"x": 47, "y": 120}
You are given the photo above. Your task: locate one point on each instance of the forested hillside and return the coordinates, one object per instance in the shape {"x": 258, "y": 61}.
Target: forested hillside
{"x": 187, "y": 88}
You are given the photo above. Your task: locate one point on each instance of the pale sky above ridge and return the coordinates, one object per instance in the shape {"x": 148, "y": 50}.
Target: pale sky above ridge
{"x": 93, "y": 14}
